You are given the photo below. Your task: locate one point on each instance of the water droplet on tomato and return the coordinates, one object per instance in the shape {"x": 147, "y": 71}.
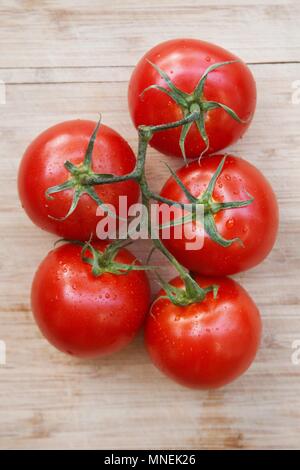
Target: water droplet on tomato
{"x": 207, "y": 58}
{"x": 228, "y": 177}
{"x": 230, "y": 223}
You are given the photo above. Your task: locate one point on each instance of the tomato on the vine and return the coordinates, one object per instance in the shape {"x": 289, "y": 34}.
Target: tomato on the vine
{"x": 90, "y": 298}
{"x": 43, "y": 167}
{"x": 163, "y": 89}
{"x": 207, "y": 344}
{"x": 85, "y": 312}
{"x": 240, "y": 237}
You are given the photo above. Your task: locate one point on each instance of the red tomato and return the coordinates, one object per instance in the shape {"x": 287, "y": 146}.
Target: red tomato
{"x": 256, "y": 225}
{"x": 207, "y": 344}
{"x": 83, "y": 314}
{"x": 185, "y": 60}
{"x": 42, "y": 166}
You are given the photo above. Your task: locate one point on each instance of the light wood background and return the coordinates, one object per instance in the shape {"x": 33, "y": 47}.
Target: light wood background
{"x": 72, "y": 59}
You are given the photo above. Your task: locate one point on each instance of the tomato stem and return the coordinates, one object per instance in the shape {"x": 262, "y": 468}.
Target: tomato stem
{"x": 83, "y": 180}
{"x": 192, "y": 292}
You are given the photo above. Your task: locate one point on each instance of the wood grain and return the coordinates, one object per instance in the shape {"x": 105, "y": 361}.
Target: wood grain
{"x": 64, "y": 60}
{"x": 116, "y": 32}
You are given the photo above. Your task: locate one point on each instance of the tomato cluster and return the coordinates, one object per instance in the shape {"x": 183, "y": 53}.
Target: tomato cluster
{"x": 189, "y": 99}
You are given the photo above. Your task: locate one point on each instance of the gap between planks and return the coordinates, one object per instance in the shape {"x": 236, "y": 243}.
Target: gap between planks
{"x": 119, "y": 78}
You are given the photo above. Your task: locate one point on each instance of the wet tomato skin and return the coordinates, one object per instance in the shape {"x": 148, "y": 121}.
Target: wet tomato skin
{"x": 204, "y": 345}
{"x": 256, "y": 225}
{"x": 84, "y": 315}
{"x": 42, "y": 166}
{"x": 185, "y": 61}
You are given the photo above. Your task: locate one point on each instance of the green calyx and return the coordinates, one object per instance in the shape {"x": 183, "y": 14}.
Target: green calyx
{"x": 210, "y": 207}
{"x": 193, "y": 102}
{"x": 190, "y": 294}
{"x": 81, "y": 180}
{"x": 104, "y": 261}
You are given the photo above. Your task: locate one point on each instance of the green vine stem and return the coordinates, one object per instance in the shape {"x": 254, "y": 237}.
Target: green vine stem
{"x": 82, "y": 179}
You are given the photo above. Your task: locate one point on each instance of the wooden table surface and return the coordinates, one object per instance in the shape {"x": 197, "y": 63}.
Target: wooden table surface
{"x": 71, "y": 59}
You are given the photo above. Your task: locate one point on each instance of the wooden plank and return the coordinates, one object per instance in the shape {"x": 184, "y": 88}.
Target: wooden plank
{"x": 64, "y": 402}
{"x": 43, "y": 75}
{"x": 76, "y": 33}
